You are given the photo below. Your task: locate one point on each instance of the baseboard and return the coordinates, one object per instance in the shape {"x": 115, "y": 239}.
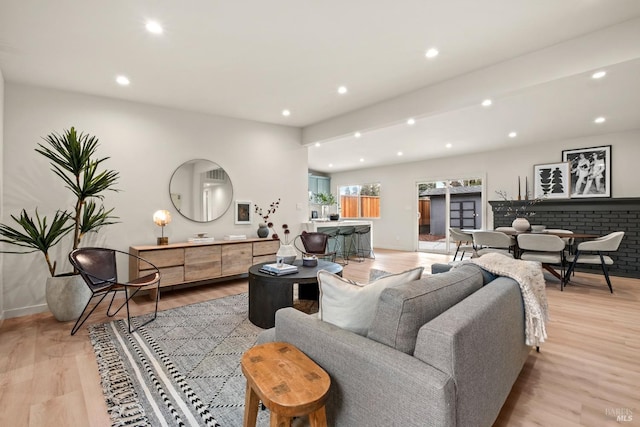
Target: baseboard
{"x": 25, "y": 311}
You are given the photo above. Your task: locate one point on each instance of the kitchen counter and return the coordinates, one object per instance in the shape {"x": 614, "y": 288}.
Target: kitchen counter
{"x": 330, "y": 226}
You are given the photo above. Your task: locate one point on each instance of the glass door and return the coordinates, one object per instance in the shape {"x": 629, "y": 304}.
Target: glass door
{"x": 447, "y": 203}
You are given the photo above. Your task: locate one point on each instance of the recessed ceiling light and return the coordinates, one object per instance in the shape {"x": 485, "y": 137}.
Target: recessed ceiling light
{"x": 286, "y": 113}
{"x": 317, "y": 144}
{"x": 600, "y": 120}
{"x": 361, "y": 160}
{"x": 431, "y": 53}
{"x": 357, "y": 134}
{"x": 411, "y": 121}
{"x": 342, "y": 90}
{"x": 154, "y": 27}
{"x": 330, "y": 165}
{"x": 598, "y": 74}
{"x": 399, "y": 153}
{"x": 449, "y": 145}
{"x": 487, "y": 103}
{"x": 122, "y": 80}
{"x": 512, "y": 134}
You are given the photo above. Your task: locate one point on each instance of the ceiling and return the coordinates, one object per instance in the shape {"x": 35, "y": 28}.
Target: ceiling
{"x": 251, "y": 59}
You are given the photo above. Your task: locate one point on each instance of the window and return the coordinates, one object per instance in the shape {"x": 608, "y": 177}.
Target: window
{"x": 360, "y": 201}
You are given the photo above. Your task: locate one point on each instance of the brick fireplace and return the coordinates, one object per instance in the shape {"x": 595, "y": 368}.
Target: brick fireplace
{"x": 594, "y": 216}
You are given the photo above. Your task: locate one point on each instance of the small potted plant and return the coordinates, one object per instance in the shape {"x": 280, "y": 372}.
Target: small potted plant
{"x": 72, "y": 159}
{"x": 326, "y": 200}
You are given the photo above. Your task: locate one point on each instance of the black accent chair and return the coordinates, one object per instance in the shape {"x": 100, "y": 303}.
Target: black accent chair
{"x": 98, "y": 268}
{"x": 314, "y": 243}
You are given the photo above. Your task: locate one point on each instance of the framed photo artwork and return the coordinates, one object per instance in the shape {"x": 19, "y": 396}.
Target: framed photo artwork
{"x": 552, "y": 181}
{"x": 590, "y": 170}
{"x": 243, "y": 212}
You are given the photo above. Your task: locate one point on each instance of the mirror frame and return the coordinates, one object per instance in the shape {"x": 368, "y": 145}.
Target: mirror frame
{"x": 179, "y": 208}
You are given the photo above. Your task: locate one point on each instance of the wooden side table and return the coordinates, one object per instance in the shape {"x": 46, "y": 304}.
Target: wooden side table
{"x": 287, "y": 382}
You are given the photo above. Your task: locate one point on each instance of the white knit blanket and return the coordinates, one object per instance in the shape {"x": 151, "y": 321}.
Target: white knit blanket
{"x": 529, "y": 276}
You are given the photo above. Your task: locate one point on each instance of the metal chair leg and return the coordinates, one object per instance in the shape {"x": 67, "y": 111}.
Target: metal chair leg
{"x": 605, "y": 270}
{"x": 80, "y": 321}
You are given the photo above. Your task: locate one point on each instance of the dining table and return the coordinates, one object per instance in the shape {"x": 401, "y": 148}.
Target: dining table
{"x": 517, "y": 251}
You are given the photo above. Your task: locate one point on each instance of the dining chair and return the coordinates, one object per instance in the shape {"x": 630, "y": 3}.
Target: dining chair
{"x": 596, "y": 254}
{"x": 545, "y": 248}
{"x": 315, "y": 243}
{"x": 509, "y": 231}
{"x": 98, "y": 268}
{"x": 492, "y": 241}
{"x": 569, "y": 241}
{"x": 464, "y": 242}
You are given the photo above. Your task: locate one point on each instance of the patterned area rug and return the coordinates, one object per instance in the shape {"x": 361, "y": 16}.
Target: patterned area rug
{"x": 183, "y": 369}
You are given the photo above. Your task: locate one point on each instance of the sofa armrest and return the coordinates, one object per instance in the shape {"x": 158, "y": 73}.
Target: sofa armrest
{"x": 371, "y": 384}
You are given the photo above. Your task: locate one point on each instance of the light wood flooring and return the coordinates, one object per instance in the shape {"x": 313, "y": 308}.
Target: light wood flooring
{"x": 588, "y": 369}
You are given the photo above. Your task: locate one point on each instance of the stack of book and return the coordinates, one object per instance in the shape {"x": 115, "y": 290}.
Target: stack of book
{"x": 201, "y": 239}
{"x": 279, "y": 269}
{"x": 235, "y": 237}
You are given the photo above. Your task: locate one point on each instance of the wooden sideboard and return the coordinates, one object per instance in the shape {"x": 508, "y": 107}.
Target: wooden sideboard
{"x": 181, "y": 263}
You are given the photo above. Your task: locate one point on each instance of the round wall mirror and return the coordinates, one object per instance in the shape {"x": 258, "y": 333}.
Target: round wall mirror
{"x": 201, "y": 190}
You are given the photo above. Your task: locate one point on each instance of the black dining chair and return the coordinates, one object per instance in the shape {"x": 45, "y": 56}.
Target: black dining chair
{"x": 98, "y": 267}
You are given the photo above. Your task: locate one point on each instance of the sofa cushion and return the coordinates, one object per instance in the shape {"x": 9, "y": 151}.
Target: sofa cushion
{"x": 403, "y": 309}
{"x": 351, "y": 305}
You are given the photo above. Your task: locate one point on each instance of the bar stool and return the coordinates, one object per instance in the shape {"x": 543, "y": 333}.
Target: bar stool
{"x": 363, "y": 243}
{"x": 345, "y": 232}
{"x": 333, "y": 237}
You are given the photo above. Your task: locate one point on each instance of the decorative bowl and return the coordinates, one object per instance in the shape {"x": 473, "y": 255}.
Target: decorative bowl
{"x": 537, "y": 228}
{"x": 201, "y": 235}
{"x": 311, "y": 261}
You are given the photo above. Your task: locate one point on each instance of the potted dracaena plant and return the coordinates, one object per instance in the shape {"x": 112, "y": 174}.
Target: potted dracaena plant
{"x": 73, "y": 159}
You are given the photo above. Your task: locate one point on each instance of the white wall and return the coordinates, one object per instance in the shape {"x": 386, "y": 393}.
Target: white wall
{"x": 1, "y": 189}
{"x": 145, "y": 144}
{"x": 397, "y": 228}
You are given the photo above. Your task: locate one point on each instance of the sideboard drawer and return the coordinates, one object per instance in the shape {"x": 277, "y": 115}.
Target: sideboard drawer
{"x": 202, "y": 262}
{"x": 171, "y": 275}
{"x": 266, "y": 247}
{"x": 162, "y": 258}
{"x": 237, "y": 258}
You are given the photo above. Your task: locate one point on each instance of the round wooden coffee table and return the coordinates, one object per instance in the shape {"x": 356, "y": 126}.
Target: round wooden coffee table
{"x": 268, "y": 294}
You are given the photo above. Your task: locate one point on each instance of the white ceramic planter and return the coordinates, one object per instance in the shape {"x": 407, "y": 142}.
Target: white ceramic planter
{"x": 521, "y": 224}
{"x": 287, "y": 253}
{"x": 67, "y": 296}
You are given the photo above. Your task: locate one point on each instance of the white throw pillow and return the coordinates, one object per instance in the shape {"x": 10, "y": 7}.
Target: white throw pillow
{"x": 351, "y": 305}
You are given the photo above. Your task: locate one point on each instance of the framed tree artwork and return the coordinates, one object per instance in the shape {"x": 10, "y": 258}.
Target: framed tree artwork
{"x": 590, "y": 170}
{"x": 243, "y": 212}
{"x": 552, "y": 181}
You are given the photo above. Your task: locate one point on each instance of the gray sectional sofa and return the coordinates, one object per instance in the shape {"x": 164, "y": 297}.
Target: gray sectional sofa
{"x": 443, "y": 350}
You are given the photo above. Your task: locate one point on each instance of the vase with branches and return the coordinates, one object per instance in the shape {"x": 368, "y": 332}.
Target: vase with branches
{"x": 516, "y": 209}
{"x": 266, "y": 214}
